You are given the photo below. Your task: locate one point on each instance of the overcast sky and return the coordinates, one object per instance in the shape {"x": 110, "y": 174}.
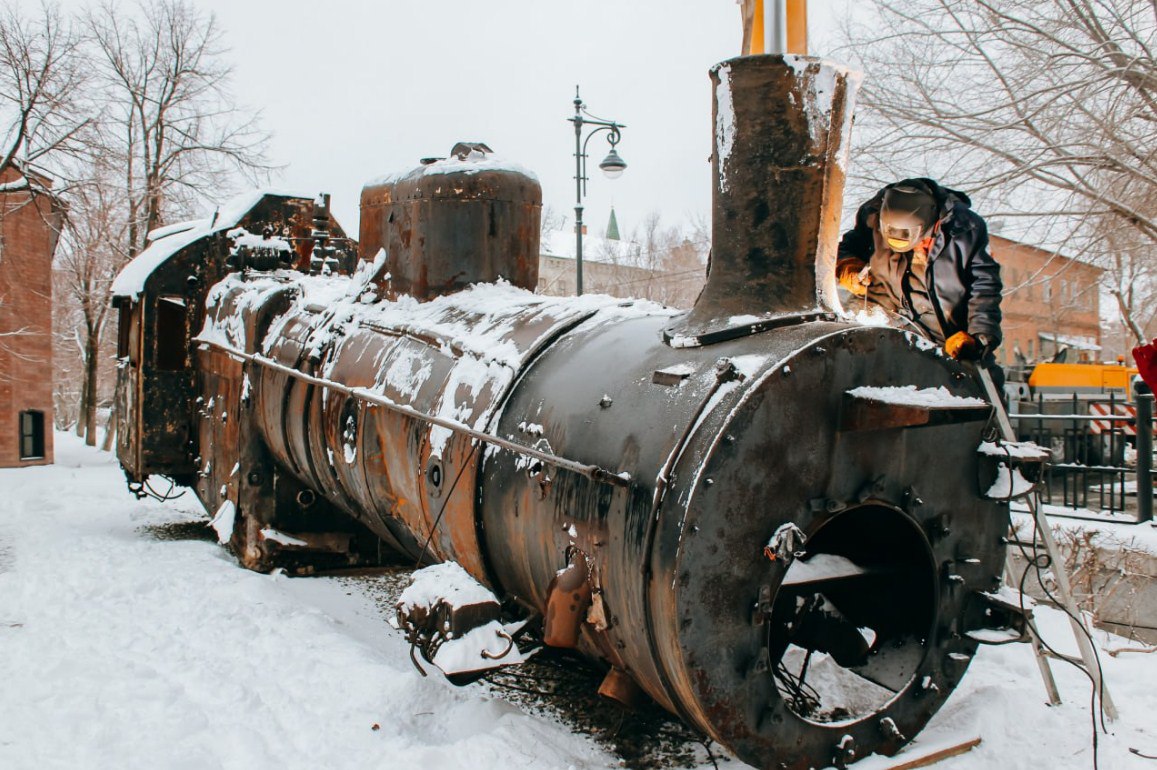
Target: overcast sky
{"x": 356, "y": 89}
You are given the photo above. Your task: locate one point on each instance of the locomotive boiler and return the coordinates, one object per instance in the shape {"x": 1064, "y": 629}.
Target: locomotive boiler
{"x": 769, "y": 519}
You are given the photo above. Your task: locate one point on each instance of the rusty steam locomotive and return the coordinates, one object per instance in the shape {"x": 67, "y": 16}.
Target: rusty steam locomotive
{"x": 745, "y": 530}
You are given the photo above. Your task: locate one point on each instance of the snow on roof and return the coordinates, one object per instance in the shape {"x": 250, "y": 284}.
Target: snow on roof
{"x": 472, "y": 163}
{"x": 561, "y": 244}
{"x": 166, "y": 241}
{"x": 131, "y": 280}
{"x": 179, "y": 227}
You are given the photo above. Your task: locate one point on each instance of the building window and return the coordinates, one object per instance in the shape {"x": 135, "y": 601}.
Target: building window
{"x": 31, "y": 435}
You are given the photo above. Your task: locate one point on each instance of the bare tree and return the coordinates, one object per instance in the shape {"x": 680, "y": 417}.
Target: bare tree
{"x": 551, "y": 219}
{"x": 172, "y": 119}
{"x": 176, "y": 136}
{"x": 1047, "y": 108}
{"x": 92, "y": 251}
{"x": 170, "y": 136}
{"x": 42, "y": 113}
{"x": 668, "y": 261}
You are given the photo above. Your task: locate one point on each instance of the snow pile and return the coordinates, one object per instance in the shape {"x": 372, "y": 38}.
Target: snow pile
{"x": 243, "y": 239}
{"x": 480, "y": 649}
{"x": 1009, "y": 484}
{"x": 122, "y": 650}
{"x": 425, "y": 611}
{"x": 225, "y": 324}
{"x": 910, "y": 395}
{"x": 444, "y": 583}
{"x": 118, "y": 649}
{"x": 482, "y": 320}
{"x": 821, "y": 566}
{"x": 222, "y": 521}
{"x": 276, "y": 536}
{"x": 1017, "y": 450}
{"x": 130, "y": 282}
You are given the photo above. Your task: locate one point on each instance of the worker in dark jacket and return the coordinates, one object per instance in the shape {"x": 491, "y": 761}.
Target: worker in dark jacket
{"x": 920, "y": 252}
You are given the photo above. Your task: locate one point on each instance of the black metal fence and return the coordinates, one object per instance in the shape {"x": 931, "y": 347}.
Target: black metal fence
{"x": 1102, "y": 451}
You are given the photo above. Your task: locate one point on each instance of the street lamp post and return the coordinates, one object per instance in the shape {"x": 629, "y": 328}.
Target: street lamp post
{"x": 612, "y": 165}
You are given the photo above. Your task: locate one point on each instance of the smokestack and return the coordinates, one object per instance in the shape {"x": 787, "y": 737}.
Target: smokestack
{"x": 780, "y": 151}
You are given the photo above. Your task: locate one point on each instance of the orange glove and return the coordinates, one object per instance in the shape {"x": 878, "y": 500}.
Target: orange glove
{"x": 963, "y": 346}
{"x": 852, "y": 275}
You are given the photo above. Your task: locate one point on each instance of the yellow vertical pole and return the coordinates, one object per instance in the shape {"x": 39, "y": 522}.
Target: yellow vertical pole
{"x": 796, "y": 26}
{"x": 757, "y": 29}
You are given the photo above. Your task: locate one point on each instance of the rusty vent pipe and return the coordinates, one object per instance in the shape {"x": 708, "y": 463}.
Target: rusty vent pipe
{"x": 780, "y": 150}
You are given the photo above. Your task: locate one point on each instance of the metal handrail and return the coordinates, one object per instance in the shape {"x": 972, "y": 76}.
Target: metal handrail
{"x": 593, "y": 472}
{"x": 1074, "y": 468}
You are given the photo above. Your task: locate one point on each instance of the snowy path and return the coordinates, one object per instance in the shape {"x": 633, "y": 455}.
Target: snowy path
{"x": 120, "y": 650}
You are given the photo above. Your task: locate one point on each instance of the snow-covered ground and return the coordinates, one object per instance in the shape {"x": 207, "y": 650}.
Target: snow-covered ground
{"x": 119, "y": 649}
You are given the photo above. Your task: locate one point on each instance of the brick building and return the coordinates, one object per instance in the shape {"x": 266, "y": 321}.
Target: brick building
{"x": 1050, "y": 301}
{"x": 29, "y": 230}
{"x": 620, "y": 268}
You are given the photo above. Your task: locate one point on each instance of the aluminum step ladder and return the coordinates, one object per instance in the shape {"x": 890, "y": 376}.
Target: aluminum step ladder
{"x": 1081, "y": 632}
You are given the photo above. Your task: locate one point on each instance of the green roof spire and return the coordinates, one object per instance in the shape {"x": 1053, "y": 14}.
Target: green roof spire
{"x": 613, "y": 227}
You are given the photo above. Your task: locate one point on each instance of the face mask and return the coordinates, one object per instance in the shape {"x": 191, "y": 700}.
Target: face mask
{"x": 901, "y": 236}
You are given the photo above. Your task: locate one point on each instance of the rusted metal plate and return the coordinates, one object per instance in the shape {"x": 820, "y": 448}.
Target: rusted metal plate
{"x": 384, "y": 468}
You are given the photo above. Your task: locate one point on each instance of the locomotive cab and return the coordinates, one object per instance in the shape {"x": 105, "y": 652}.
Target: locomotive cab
{"x": 160, "y": 298}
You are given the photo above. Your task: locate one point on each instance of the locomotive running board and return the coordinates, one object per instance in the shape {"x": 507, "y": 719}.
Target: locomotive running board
{"x": 864, "y": 412}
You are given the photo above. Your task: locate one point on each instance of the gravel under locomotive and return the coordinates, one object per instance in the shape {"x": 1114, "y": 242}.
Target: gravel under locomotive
{"x": 731, "y": 508}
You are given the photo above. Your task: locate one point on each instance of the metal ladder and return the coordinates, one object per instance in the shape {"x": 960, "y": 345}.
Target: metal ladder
{"x": 1081, "y": 632}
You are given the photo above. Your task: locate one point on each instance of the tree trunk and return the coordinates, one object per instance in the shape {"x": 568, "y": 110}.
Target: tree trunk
{"x": 83, "y": 406}
{"x": 110, "y": 430}
{"x": 91, "y": 351}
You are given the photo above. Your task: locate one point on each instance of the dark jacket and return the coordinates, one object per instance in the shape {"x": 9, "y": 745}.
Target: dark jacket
{"x": 963, "y": 279}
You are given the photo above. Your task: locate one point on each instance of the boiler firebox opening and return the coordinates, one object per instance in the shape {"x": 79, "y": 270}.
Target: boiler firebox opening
{"x": 851, "y": 621}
